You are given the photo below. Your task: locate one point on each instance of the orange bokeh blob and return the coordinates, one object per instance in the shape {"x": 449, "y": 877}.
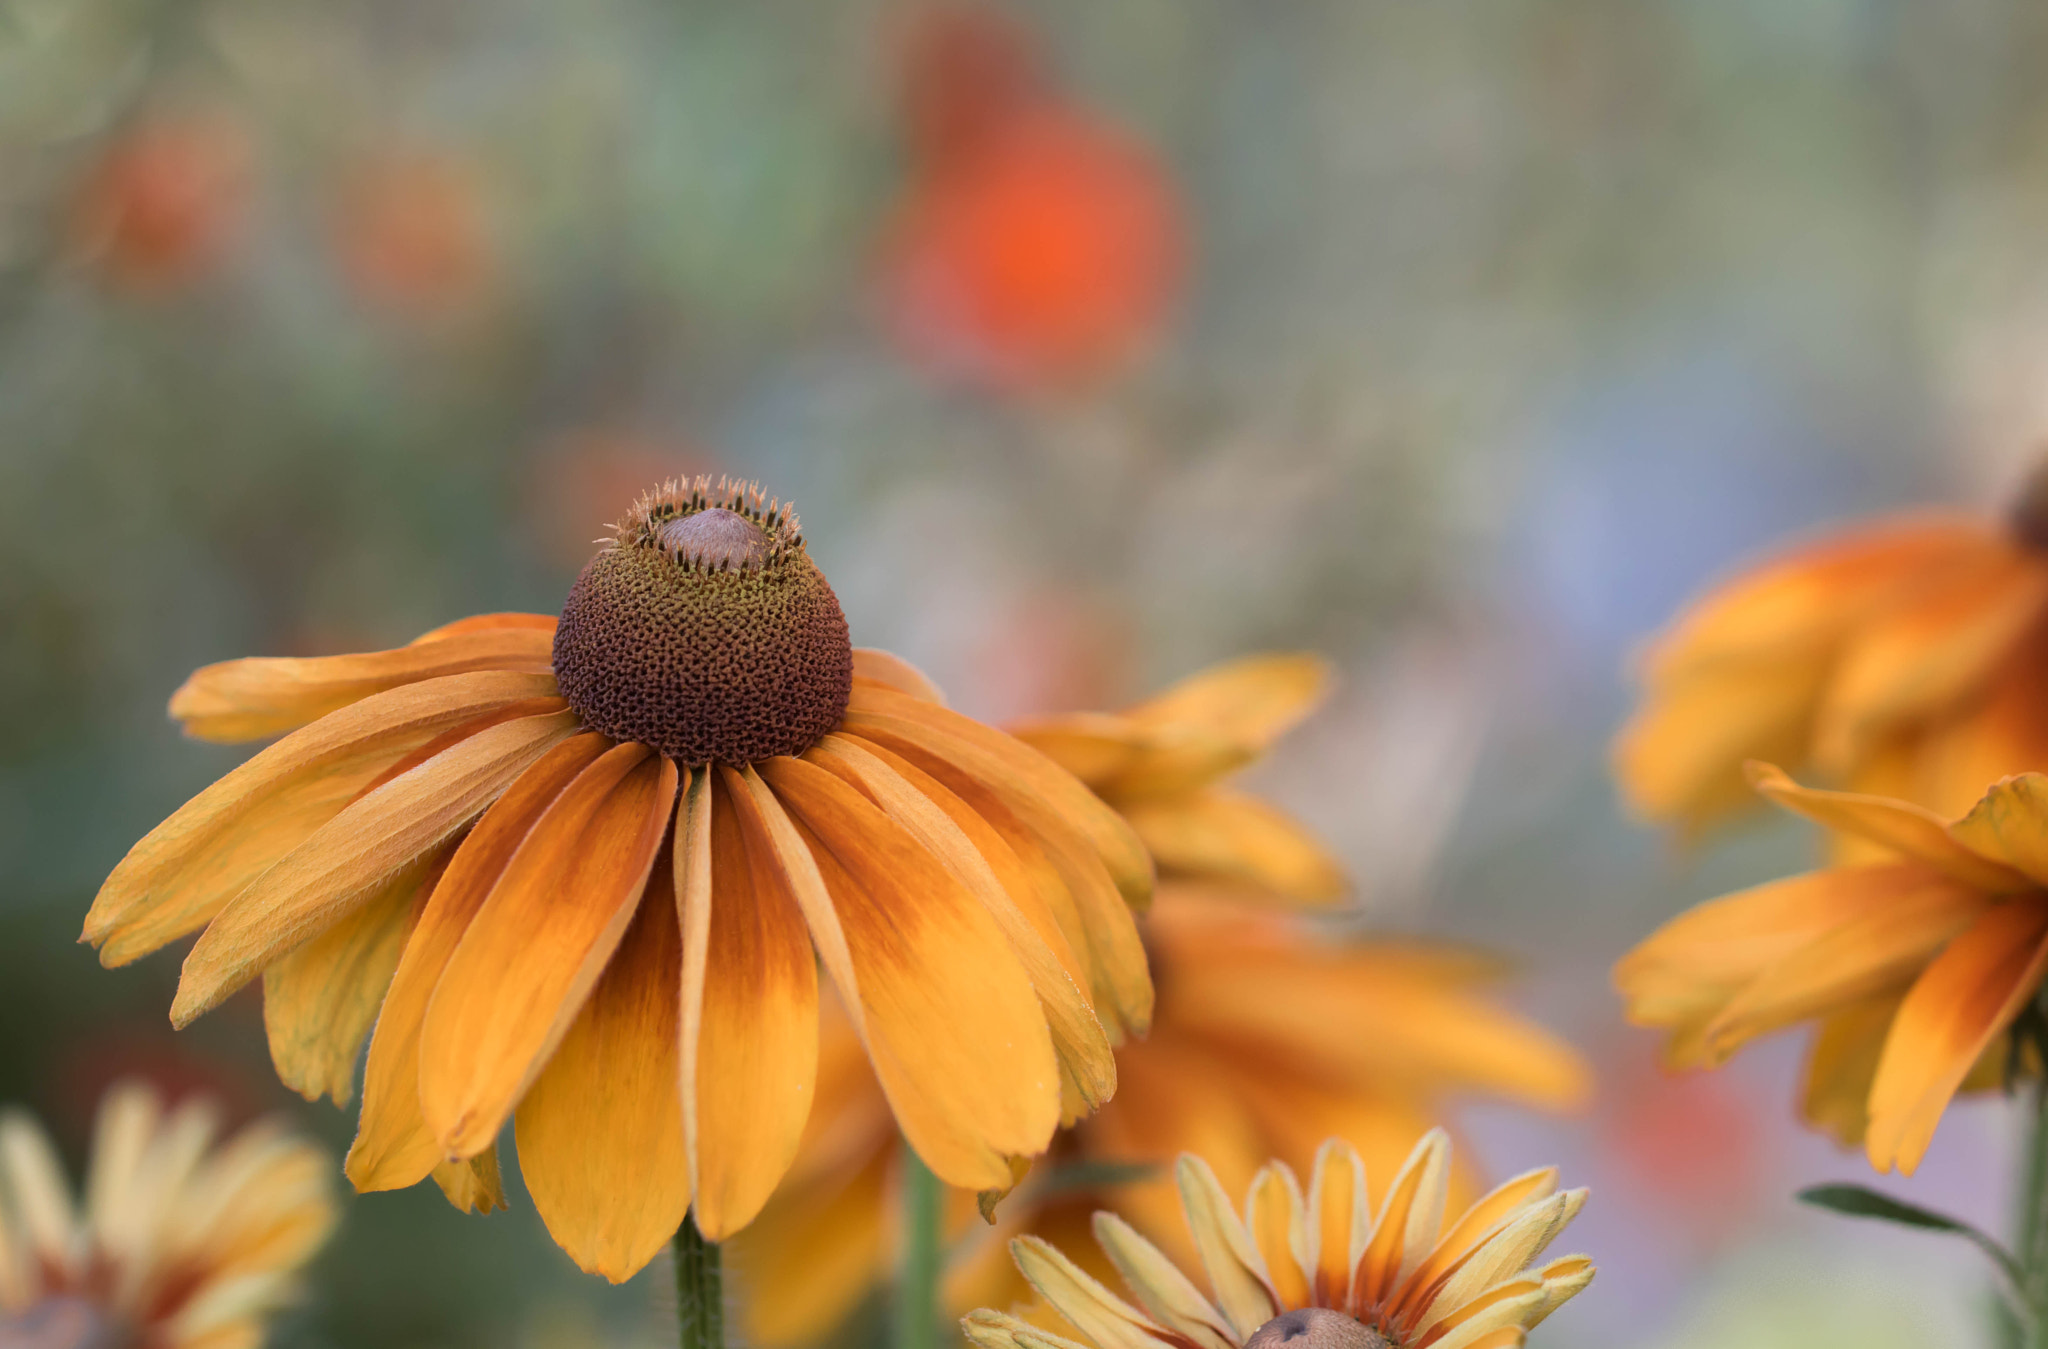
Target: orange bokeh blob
{"x": 412, "y": 234}
{"x": 160, "y": 207}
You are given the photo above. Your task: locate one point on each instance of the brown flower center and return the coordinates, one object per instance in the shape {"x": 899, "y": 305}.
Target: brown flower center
{"x": 1315, "y": 1328}
{"x": 63, "y": 1323}
{"x": 705, "y": 631}
{"x": 2028, "y": 515}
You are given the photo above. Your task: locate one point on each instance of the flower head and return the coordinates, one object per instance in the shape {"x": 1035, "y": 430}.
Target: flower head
{"x": 179, "y": 1243}
{"x": 1897, "y": 657}
{"x": 1162, "y": 764}
{"x": 1912, "y": 969}
{"x": 1326, "y": 1268}
{"x": 585, "y": 872}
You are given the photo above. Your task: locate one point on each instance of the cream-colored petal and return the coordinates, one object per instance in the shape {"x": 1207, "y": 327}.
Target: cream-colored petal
{"x": 1228, "y": 1256}
{"x": 32, "y": 1183}
{"x": 1502, "y": 1256}
{"x": 1563, "y": 1279}
{"x": 999, "y": 1330}
{"x": 1166, "y": 1294}
{"x": 1093, "y": 1310}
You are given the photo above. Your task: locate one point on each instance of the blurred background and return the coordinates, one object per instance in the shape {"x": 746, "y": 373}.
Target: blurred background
{"x": 1460, "y": 342}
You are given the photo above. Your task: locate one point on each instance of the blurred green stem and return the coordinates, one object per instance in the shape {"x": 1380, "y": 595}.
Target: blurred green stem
{"x": 917, "y": 1283}
{"x": 2033, "y": 1225}
{"x": 700, "y": 1289}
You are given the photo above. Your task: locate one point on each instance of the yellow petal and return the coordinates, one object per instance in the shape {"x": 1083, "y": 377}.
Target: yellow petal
{"x": 750, "y": 1009}
{"x": 357, "y": 853}
{"x": 892, "y": 671}
{"x": 472, "y": 1185}
{"x": 1253, "y": 700}
{"x": 1563, "y": 1279}
{"x": 2010, "y": 826}
{"x": 393, "y": 1146}
{"x": 954, "y": 1028}
{"x": 523, "y": 969}
{"x": 1093, "y": 1310}
{"x": 1500, "y": 1311}
{"x": 544, "y": 623}
{"x": 1964, "y": 1000}
{"x": 187, "y": 869}
{"x": 1227, "y": 1253}
{"x": 1012, "y": 767}
{"x": 1125, "y": 760}
{"x": 1841, "y": 1063}
{"x": 999, "y": 1330}
{"x": 321, "y": 1000}
{"x": 1166, "y": 1294}
{"x": 943, "y": 824}
{"x": 814, "y": 1252}
{"x": 1338, "y": 1220}
{"x": 1680, "y": 757}
{"x": 1410, "y": 1220}
{"x": 1473, "y": 1228}
{"x": 1503, "y": 1255}
{"x": 1906, "y": 829}
{"x": 1236, "y": 837}
{"x": 261, "y": 696}
{"x": 601, "y": 1130}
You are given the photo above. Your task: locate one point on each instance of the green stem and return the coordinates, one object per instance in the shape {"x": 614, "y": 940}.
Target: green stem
{"x": 2033, "y": 1227}
{"x": 917, "y": 1283}
{"x": 700, "y": 1289}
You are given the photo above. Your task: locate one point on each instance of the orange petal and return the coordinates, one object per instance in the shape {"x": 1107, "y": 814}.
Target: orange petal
{"x": 953, "y": 1026}
{"x": 1124, "y": 760}
{"x": 355, "y": 854}
{"x": 1275, "y": 1218}
{"x": 393, "y": 1147}
{"x": 472, "y": 1185}
{"x": 1253, "y": 700}
{"x": 187, "y": 869}
{"x": 1841, "y": 1064}
{"x": 941, "y": 822}
{"x": 1229, "y": 835}
{"x": 1409, "y": 1223}
{"x": 750, "y": 1009}
{"x": 263, "y": 695}
{"x": 320, "y": 1001}
{"x": 1905, "y": 829}
{"x": 490, "y": 622}
{"x": 1680, "y": 757}
{"x": 523, "y": 969}
{"x": 892, "y": 671}
{"x": 601, "y": 1130}
{"x": 2010, "y": 825}
{"x": 1929, "y": 651}
{"x": 1963, "y": 1001}
{"x": 1338, "y": 1220}
{"x": 814, "y": 1252}
{"x": 1467, "y": 1235}
{"x": 1013, "y": 766}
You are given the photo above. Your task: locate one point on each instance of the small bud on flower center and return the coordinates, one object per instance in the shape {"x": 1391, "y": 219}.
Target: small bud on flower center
{"x": 1315, "y": 1328}
{"x": 705, "y": 631}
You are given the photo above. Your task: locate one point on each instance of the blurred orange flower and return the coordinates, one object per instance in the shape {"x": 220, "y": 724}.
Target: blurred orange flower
{"x": 163, "y": 202}
{"x": 1913, "y": 969}
{"x": 1900, "y": 657}
{"x": 1036, "y": 243}
{"x": 413, "y": 236}
{"x": 179, "y": 1244}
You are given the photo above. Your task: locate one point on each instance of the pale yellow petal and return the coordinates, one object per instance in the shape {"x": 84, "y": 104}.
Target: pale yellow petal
{"x": 1227, "y": 1253}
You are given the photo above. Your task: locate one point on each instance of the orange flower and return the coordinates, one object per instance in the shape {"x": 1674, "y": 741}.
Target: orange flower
{"x": 161, "y": 206}
{"x": 1900, "y": 657}
{"x": 1912, "y": 968}
{"x": 586, "y": 871}
{"x": 1268, "y": 1037}
{"x": 180, "y": 1244}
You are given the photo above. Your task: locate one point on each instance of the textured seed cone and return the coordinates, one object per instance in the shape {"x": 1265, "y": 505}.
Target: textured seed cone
{"x": 1315, "y": 1328}
{"x": 704, "y": 630}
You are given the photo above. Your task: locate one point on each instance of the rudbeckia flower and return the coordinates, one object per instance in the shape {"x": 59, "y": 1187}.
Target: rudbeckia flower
{"x": 1329, "y": 1269}
{"x": 1162, "y": 764}
{"x": 1912, "y": 969}
{"x": 179, "y": 1244}
{"x": 1898, "y": 657}
{"x": 582, "y": 875}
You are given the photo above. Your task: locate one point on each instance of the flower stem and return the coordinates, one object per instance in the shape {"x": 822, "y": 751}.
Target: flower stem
{"x": 2033, "y": 1234}
{"x": 917, "y": 1283}
{"x": 700, "y": 1289}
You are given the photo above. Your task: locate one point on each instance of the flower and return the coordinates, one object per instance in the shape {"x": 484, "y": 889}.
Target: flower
{"x": 1896, "y": 657}
{"x": 1315, "y": 1268}
{"x": 1267, "y": 1037}
{"x": 457, "y": 841}
{"x": 1160, "y": 764}
{"x": 1913, "y": 969}
{"x": 180, "y": 1244}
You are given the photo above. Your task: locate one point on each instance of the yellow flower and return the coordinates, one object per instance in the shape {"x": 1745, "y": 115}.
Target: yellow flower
{"x": 1900, "y": 657}
{"x": 1268, "y": 1038}
{"x": 179, "y": 1244}
{"x": 457, "y": 848}
{"x": 1161, "y": 764}
{"x": 1913, "y": 969}
{"x": 1316, "y": 1268}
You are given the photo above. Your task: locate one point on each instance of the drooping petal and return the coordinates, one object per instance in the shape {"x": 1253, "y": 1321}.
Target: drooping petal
{"x": 263, "y": 695}
{"x": 892, "y": 671}
{"x": 1680, "y": 757}
{"x": 357, "y": 853}
{"x": 2010, "y": 825}
{"x": 473, "y": 1184}
{"x": 1841, "y": 1063}
{"x": 750, "y": 1007}
{"x": 1964, "y": 999}
{"x": 393, "y": 1146}
{"x": 1254, "y": 700}
{"x": 600, "y": 1131}
{"x": 1013, "y": 767}
{"x": 520, "y": 974}
{"x": 973, "y": 852}
{"x": 1900, "y": 826}
{"x": 321, "y": 1000}
{"x": 952, "y": 1024}
{"x": 1096, "y": 1312}
{"x": 1228, "y": 835}
{"x": 1228, "y": 1256}
{"x": 1339, "y": 1220}
{"x": 187, "y": 869}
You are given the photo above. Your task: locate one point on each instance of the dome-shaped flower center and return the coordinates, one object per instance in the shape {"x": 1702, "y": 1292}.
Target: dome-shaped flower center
{"x": 65, "y": 1323}
{"x": 1315, "y": 1328}
{"x": 705, "y": 631}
